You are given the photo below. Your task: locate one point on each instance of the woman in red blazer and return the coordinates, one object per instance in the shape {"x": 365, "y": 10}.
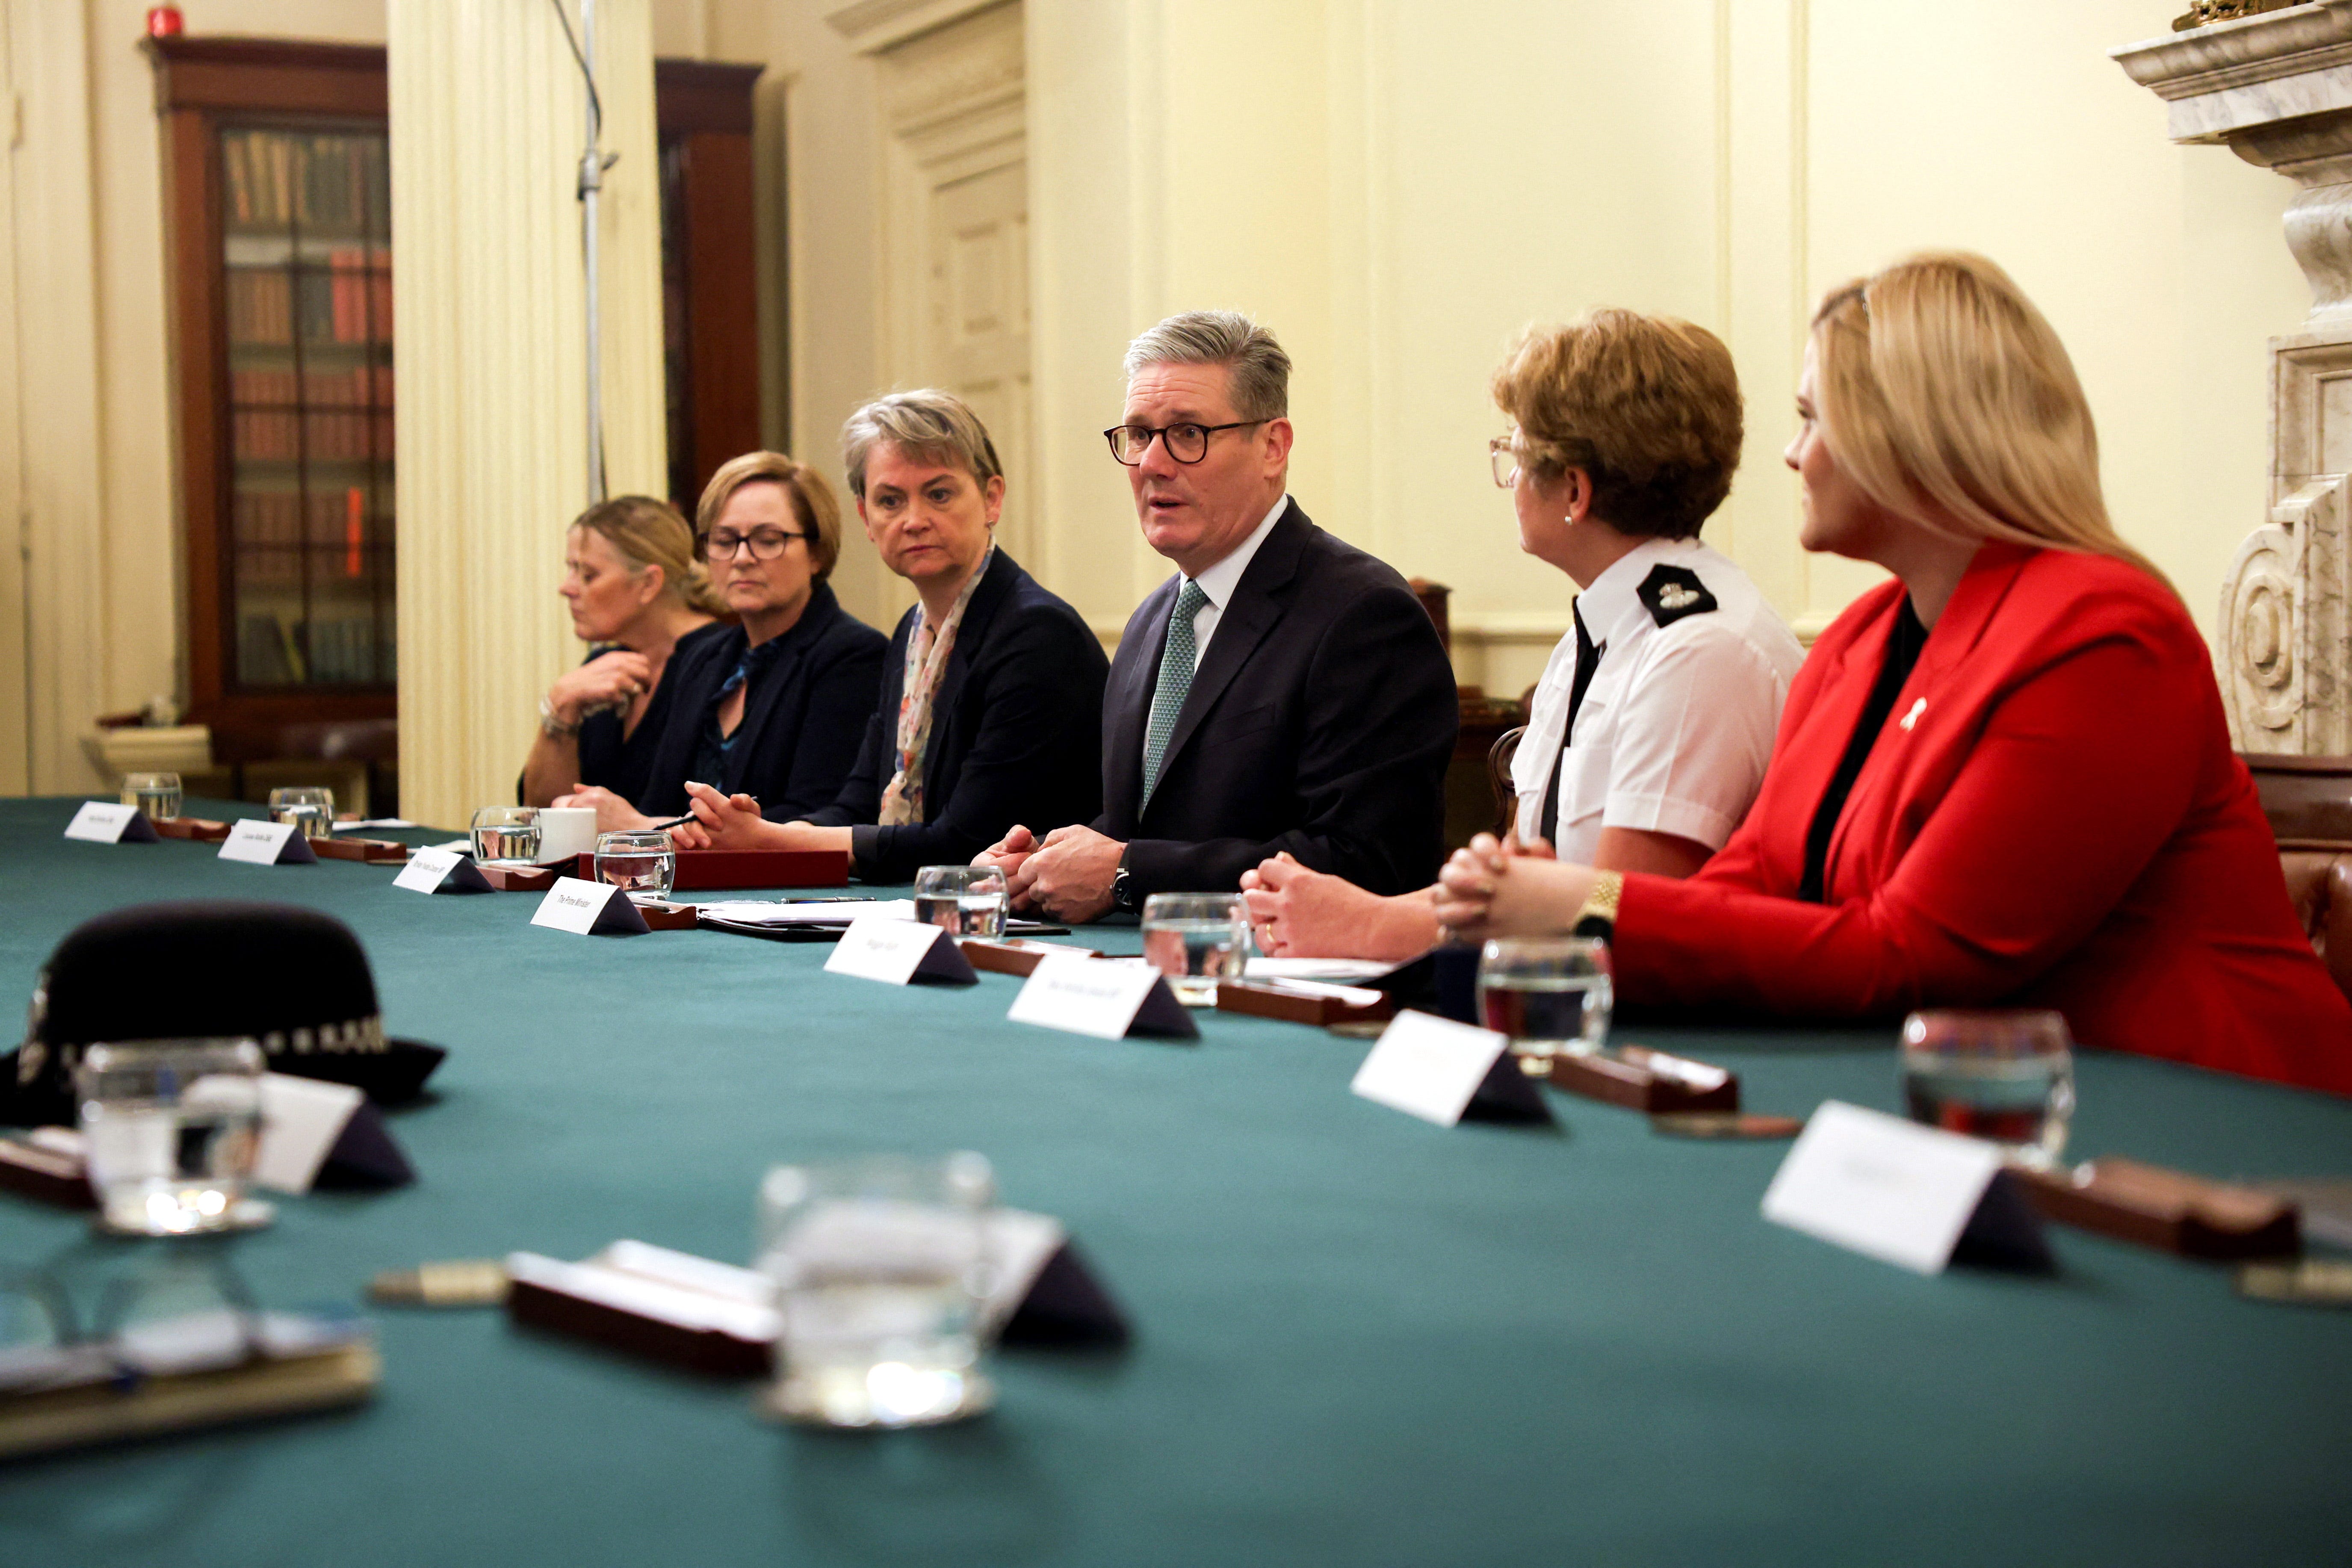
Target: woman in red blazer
{"x": 2004, "y": 778}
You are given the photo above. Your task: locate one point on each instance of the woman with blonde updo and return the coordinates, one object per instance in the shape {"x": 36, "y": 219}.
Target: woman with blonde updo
{"x": 638, "y": 598}
{"x": 2004, "y": 778}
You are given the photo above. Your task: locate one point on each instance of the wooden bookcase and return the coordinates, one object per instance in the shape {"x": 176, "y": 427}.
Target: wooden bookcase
{"x": 280, "y": 249}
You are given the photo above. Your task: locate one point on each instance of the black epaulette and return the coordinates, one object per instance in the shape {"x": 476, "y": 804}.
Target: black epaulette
{"x": 1670, "y": 592}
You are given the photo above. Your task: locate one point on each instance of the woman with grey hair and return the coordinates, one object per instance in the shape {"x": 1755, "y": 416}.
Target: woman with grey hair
{"x": 991, "y": 709}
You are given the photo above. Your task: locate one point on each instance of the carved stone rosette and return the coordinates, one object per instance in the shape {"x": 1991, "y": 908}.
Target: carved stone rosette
{"x": 2276, "y": 89}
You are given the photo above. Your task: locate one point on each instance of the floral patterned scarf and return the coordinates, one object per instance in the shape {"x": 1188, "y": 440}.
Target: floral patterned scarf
{"x": 927, "y": 667}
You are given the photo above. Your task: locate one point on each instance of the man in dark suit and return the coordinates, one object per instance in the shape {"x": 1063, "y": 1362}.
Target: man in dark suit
{"x": 1284, "y": 692}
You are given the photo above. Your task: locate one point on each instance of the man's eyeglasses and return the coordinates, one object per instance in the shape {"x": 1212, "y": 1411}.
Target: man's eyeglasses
{"x": 1503, "y": 456}
{"x": 1187, "y": 443}
{"x": 767, "y": 543}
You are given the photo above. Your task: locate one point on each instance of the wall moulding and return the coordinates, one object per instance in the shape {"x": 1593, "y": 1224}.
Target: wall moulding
{"x": 873, "y": 26}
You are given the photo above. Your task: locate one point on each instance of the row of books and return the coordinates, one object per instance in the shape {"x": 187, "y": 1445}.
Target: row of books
{"x": 351, "y": 303}
{"x": 328, "y": 388}
{"x": 335, "y": 520}
{"x": 333, "y": 435}
{"x": 281, "y": 649}
{"x": 274, "y": 177}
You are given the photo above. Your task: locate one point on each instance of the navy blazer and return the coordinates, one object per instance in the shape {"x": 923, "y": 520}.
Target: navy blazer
{"x": 1320, "y": 721}
{"x": 1016, "y": 733}
{"x": 622, "y": 764}
{"x": 802, "y": 718}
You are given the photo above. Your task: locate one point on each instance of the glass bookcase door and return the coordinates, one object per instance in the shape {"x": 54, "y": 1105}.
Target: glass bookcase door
{"x": 306, "y": 259}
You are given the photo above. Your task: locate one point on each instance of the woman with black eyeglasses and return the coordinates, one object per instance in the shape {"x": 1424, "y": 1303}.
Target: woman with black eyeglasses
{"x": 775, "y": 709}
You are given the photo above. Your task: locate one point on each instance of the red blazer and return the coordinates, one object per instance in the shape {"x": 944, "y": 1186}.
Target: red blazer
{"x": 2053, "y": 817}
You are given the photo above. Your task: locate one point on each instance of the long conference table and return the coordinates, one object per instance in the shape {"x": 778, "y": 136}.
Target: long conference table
{"x": 1359, "y": 1338}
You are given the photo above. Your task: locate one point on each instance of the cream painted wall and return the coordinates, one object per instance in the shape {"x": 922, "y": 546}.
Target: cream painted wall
{"x": 1396, "y": 186}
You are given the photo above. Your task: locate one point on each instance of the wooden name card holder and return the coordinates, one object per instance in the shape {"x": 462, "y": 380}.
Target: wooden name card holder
{"x": 52, "y": 1176}
{"x": 202, "y": 829}
{"x": 2169, "y": 1210}
{"x": 667, "y": 916}
{"x": 1640, "y": 1079}
{"x": 1320, "y": 1006}
{"x": 380, "y": 851}
{"x": 517, "y": 878}
{"x": 723, "y": 870}
{"x": 1014, "y": 956}
{"x": 652, "y": 1302}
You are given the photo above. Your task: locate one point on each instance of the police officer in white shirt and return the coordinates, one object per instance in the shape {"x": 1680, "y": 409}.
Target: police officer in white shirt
{"x": 1649, "y": 733}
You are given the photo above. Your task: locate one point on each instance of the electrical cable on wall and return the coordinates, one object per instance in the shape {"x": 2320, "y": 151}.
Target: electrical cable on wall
{"x": 594, "y": 161}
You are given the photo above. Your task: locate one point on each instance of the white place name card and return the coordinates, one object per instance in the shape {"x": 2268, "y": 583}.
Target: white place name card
{"x": 896, "y": 952}
{"x": 1098, "y": 997}
{"x": 110, "y": 822}
{"x": 1893, "y": 1190}
{"x": 268, "y": 843}
{"x": 441, "y": 871}
{"x": 589, "y": 909}
{"x": 300, "y": 1119}
{"x": 1437, "y": 1069}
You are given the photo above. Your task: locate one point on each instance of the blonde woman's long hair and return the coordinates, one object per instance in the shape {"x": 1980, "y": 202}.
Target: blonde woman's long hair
{"x": 1950, "y": 401}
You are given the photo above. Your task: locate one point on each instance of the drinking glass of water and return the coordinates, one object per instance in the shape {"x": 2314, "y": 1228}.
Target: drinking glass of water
{"x": 1196, "y": 940}
{"x": 156, "y": 794}
{"x": 969, "y": 900}
{"x": 1552, "y": 994}
{"x": 880, "y": 1267}
{"x": 2007, "y": 1077}
{"x": 172, "y": 1128}
{"x": 641, "y": 862}
{"x": 508, "y": 834}
{"x": 308, "y": 806}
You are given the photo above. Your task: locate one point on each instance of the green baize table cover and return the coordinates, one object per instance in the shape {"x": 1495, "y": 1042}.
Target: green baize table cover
{"x": 1360, "y": 1339}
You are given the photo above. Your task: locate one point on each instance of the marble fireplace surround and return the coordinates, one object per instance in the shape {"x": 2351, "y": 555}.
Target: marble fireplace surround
{"x": 2276, "y": 89}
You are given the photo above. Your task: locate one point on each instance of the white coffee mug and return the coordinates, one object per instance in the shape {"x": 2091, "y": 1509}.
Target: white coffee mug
{"x": 565, "y": 831}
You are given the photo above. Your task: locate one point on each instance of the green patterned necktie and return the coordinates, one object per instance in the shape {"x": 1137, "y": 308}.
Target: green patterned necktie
{"x": 1175, "y": 681}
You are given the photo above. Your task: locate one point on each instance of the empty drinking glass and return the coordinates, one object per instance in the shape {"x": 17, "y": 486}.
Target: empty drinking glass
{"x": 172, "y": 1128}
{"x": 1196, "y": 940}
{"x": 508, "y": 833}
{"x": 969, "y": 900}
{"x": 2007, "y": 1077}
{"x": 641, "y": 862}
{"x": 1552, "y": 994}
{"x": 880, "y": 1268}
{"x": 156, "y": 794}
{"x": 308, "y": 806}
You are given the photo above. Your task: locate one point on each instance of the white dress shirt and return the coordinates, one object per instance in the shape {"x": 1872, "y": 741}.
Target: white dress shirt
{"x": 1218, "y": 582}
{"x": 1677, "y": 722}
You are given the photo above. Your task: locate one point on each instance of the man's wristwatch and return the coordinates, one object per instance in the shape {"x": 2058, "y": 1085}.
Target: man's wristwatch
{"x": 1123, "y": 894}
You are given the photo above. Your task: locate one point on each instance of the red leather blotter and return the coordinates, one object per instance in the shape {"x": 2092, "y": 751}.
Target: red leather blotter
{"x": 2169, "y": 1210}
{"x": 516, "y": 878}
{"x": 52, "y": 1176}
{"x": 1012, "y": 955}
{"x": 721, "y": 870}
{"x": 665, "y": 916}
{"x": 1640, "y": 1079}
{"x": 373, "y": 849}
{"x": 1321, "y": 1007}
{"x": 202, "y": 830}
